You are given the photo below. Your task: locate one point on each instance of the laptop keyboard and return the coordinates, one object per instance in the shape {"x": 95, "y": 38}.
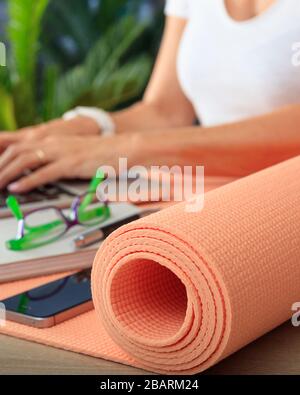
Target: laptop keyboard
{"x": 47, "y": 192}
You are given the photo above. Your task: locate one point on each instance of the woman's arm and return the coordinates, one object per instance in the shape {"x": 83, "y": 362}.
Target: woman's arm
{"x": 164, "y": 105}
{"x": 236, "y": 149}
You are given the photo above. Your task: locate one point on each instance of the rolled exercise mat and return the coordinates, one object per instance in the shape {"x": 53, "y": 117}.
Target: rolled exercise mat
{"x": 179, "y": 291}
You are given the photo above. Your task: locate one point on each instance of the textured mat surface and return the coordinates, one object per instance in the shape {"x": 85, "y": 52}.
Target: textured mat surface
{"x": 176, "y": 292}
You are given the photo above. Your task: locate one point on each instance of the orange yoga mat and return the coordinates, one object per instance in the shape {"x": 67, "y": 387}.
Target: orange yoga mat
{"x": 177, "y": 292}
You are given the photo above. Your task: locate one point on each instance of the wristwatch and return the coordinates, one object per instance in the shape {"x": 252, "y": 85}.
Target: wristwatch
{"x": 101, "y": 117}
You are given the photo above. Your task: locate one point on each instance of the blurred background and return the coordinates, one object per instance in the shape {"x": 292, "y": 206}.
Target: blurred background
{"x": 64, "y": 53}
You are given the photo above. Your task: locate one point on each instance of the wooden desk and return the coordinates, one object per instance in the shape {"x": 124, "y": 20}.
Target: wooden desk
{"x": 276, "y": 353}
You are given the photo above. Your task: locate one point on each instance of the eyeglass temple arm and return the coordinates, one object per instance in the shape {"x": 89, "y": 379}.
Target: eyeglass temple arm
{"x": 15, "y": 208}
{"x": 92, "y": 189}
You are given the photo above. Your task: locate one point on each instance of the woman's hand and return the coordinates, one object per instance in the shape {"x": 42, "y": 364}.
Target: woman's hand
{"x": 56, "y": 157}
{"x": 80, "y": 126}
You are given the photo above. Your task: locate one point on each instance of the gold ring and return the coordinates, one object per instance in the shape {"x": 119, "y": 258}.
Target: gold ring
{"x": 41, "y": 155}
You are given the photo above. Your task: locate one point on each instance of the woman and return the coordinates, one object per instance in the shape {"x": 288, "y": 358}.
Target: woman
{"x": 226, "y": 62}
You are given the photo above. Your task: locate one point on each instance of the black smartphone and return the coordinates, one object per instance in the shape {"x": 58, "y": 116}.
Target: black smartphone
{"x": 52, "y": 303}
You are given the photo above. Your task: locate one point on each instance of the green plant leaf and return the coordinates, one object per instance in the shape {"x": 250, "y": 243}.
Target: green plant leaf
{"x": 50, "y": 82}
{"x": 5, "y": 81}
{"x": 7, "y": 115}
{"x": 24, "y": 27}
{"x": 78, "y": 25}
{"x": 109, "y": 12}
{"x": 23, "y": 31}
{"x": 123, "y": 85}
{"x": 33, "y": 88}
{"x": 102, "y": 61}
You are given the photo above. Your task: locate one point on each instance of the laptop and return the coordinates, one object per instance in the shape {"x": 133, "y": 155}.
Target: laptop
{"x": 59, "y": 194}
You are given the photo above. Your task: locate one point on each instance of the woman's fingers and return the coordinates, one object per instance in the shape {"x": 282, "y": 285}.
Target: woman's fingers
{"x": 11, "y": 153}
{"x": 46, "y": 174}
{"x": 57, "y": 127}
{"x": 8, "y": 138}
{"x": 32, "y": 133}
{"x": 57, "y": 157}
{"x": 31, "y": 155}
{"x": 16, "y": 168}
{"x": 26, "y": 134}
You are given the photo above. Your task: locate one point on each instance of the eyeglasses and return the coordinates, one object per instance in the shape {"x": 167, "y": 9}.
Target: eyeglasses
{"x": 48, "y": 224}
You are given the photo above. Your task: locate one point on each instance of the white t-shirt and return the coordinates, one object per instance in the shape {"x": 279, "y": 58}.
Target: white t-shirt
{"x": 235, "y": 70}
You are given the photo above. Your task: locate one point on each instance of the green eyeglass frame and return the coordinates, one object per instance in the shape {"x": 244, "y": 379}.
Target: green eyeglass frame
{"x": 82, "y": 212}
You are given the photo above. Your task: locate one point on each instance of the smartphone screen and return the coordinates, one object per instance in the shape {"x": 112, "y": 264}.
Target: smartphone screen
{"x": 53, "y": 298}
